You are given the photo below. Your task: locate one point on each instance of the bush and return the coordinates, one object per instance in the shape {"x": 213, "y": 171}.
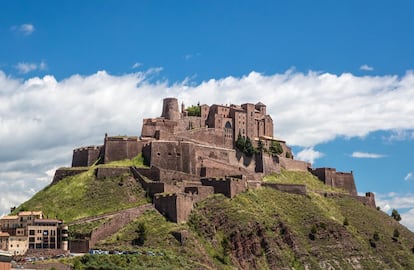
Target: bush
{"x": 395, "y": 215}
{"x": 376, "y": 236}
{"x": 396, "y": 233}
{"x": 275, "y": 148}
{"x": 346, "y": 223}
{"x": 142, "y": 234}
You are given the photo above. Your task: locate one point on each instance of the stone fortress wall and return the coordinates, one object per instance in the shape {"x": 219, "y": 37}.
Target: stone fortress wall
{"x": 192, "y": 157}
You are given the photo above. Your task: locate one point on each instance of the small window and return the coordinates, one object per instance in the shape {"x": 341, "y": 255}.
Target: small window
{"x": 158, "y": 153}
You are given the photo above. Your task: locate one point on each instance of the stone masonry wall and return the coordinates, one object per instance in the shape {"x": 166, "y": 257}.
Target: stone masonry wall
{"x": 294, "y": 165}
{"x": 229, "y": 187}
{"x": 119, "y": 148}
{"x": 85, "y": 156}
{"x": 66, "y": 172}
{"x": 336, "y": 179}
{"x": 116, "y": 223}
{"x": 289, "y": 188}
{"x": 104, "y": 172}
{"x": 201, "y": 192}
{"x": 368, "y": 199}
{"x": 176, "y": 207}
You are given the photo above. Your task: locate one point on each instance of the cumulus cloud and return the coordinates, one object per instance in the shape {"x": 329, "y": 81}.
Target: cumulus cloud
{"x": 404, "y": 203}
{"x": 409, "y": 176}
{"x": 366, "y": 155}
{"x": 25, "y": 29}
{"x": 366, "y": 68}
{"x": 24, "y": 67}
{"x": 42, "y": 119}
{"x": 309, "y": 155}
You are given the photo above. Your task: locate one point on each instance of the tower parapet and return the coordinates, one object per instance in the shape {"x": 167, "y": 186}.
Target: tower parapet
{"x": 170, "y": 109}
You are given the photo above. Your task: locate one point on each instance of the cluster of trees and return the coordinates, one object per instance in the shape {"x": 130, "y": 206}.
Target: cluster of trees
{"x": 194, "y": 110}
{"x": 244, "y": 144}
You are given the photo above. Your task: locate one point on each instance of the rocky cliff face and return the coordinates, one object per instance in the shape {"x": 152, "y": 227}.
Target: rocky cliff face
{"x": 268, "y": 229}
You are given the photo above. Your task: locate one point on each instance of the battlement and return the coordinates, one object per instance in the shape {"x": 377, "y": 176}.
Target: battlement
{"x": 87, "y": 148}
{"x": 228, "y": 186}
{"x": 122, "y": 138}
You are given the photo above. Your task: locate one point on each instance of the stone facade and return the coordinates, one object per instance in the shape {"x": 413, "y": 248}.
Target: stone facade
{"x": 228, "y": 186}
{"x": 66, "y": 172}
{"x": 289, "y": 188}
{"x": 336, "y": 179}
{"x": 86, "y": 156}
{"x": 176, "y": 207}
{"x": 192, "y": 157}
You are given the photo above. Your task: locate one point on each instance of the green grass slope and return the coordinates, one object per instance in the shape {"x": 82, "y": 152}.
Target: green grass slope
{"x": 269, "y": 229}
{"x": 258, "y": 229}
{"x": 83, "y": 195}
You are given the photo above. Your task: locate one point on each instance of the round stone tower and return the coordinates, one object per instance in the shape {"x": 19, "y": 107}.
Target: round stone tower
{"x": 170, "y": 109}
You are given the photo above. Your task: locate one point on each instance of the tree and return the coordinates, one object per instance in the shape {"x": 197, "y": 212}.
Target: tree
{"x": 395, "y": 215}
{"x": 194, "y": 110}
{"x": 275, "y": 148}
{"x": 249, "y": 149}
{"x": 241, "y": 143}
{"x": 260, "y": 146}
{"x": 142, "y": 234}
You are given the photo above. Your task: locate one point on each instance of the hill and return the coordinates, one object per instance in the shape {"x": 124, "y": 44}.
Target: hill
{"x": 261, "y": 228}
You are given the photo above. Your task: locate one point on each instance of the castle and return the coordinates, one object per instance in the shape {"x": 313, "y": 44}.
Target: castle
{"x": 192, "y": 154}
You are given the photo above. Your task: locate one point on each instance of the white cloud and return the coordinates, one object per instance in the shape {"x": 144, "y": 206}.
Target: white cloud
{"x": 366, "y": 155}
{"x": 404, "y": 203}
{"x": 400, "y": 135}
{"x": 25, "y": 67}
{"x": 136, "y": 65}
{"x": 309, "y": 155}
{"x": 409, "y": 176}
{"x": 366, "y": 68}
{"x": 42, "y": 119}
{"x": 25, "y": 29}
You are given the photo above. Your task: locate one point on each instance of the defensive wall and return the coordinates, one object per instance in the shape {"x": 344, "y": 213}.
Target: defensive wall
{"x": 176, "y": 207}
{"x": 200, "y": 192}
{"x": 85, "y": 242}
{"x": 66, "y": 172}
{"x": 228, "y": 186}
{"x": 288, "y": 188}
{"x": 336, "y": 179}
{"x": 104, "y": 172}
{"x": 86, "y": 156}
{"x": 152, "y": 187}
{"x": 293, "y": 165}
{"x": 368, "y": 199}
{"x": 123, "y": 147}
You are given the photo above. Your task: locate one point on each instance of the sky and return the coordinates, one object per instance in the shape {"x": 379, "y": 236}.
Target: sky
{"x": 337, "y": 78}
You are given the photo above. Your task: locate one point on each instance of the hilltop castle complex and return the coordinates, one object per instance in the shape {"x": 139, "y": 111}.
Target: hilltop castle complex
{"x": 192, "y": 154}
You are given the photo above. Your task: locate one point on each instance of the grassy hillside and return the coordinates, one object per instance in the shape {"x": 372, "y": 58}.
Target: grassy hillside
{"x": 83, "y": 195}
{"x": 259, "y": 229}
{"x": 268, "y": 229}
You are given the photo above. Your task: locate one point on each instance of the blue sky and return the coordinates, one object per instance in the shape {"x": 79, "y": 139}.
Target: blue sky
{"x": 337, "y": 77}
